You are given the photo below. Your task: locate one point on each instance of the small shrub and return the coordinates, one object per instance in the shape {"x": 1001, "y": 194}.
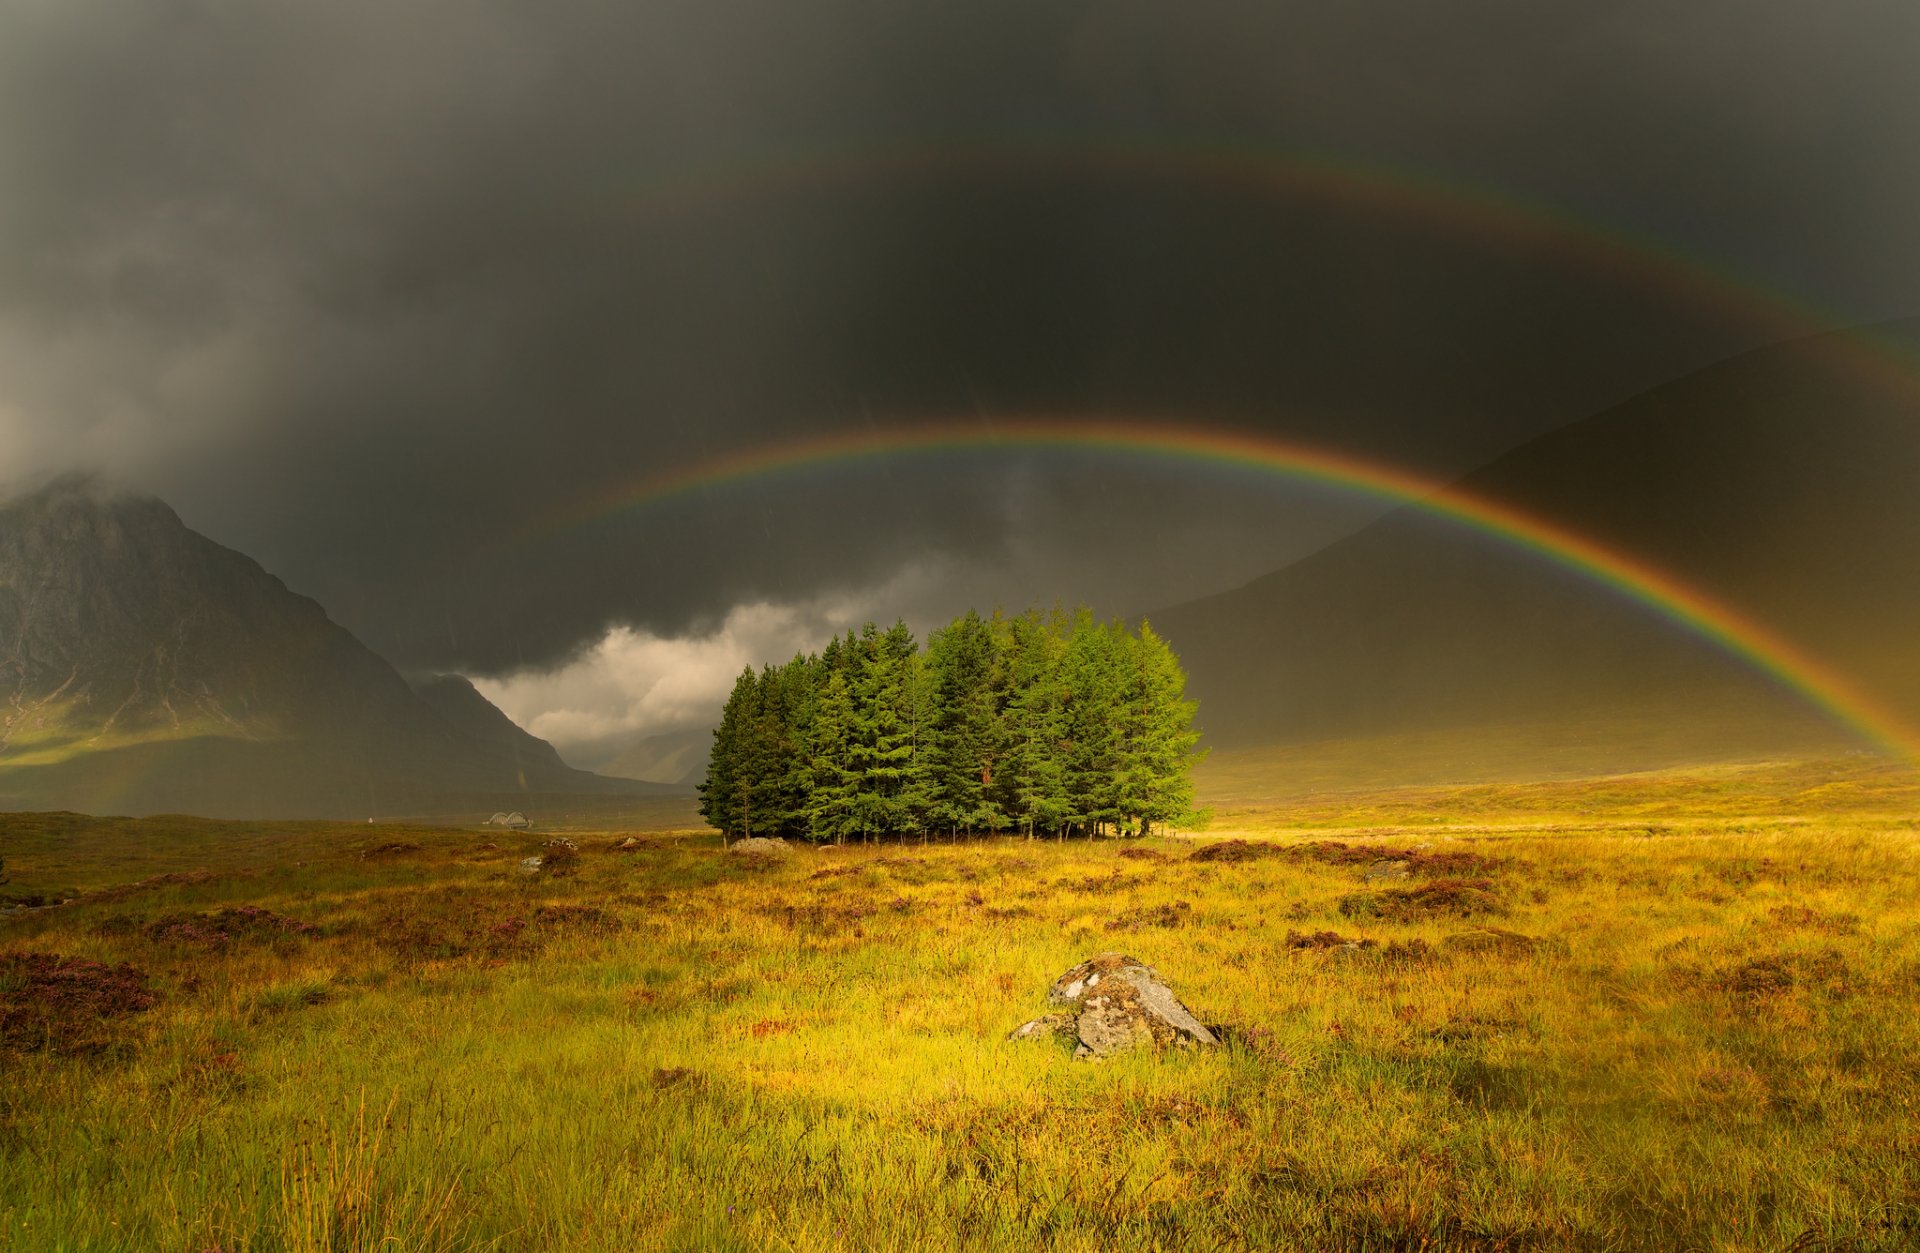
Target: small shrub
{"x": 222, "y": 928}
{"x": 62, "y": 1004}
{"x": 1234, "y": 851}
{"x": 1458, "y": 898}
{"x": 1319, "y": 941}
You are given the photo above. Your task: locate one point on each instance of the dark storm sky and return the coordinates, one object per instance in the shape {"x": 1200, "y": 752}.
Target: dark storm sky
{"x": 367, "y": 290}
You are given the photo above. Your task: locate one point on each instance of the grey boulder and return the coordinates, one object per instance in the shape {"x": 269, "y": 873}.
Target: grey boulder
{"x": 1115, "y": 1003}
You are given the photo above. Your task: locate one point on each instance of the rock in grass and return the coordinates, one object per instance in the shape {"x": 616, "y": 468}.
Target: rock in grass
{"x": 1046, "y": 1027}
{"x": 1116, "y": 1003}
{"x": 531, "y": 865}
{"x": 759, "y": 848}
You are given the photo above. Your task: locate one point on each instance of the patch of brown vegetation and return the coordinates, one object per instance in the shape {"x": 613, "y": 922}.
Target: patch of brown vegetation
{"x": 224, "y": 927}
{"x": 823, "y": 918}
{"x": 833, "y": 872}
{"x": 577, "y": 918}
{"x": 1232, "y": 851}
{"x": 1764, "y": 978}
{"x": 1454, "y": 863}
{"x": 383, "y": 852}
{"x": 1320, "y": 940}
{"x": 1336, "y": 853}
{"x": 413, "y": 937}
{"x": 1458, "y": 898}
{"x": 1415, "y": 952}
{"x": 1110, "y": 882}
{"x": 34, "y": 900}
{"x": 1142, "y": 854}
{"x": 1176, "y": 914}
{"x": 63, "y": 1004}
{"x": 1394, "y": 952}
{"x": 121, "y": 892}
{"x": 1801, "y": 917}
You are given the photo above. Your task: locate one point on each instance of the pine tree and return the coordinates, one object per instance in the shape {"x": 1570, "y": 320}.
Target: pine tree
{"x": 798, "y": 698}
{"x": 1090, "y": 676}
{"x": 1041, "y": 723}
{"x": 916, "y": 789}
{"x": 885, "y": 744}
{"x": 964, "y": 669}
{"x": 830, "y": 811}
{"x": 1163, "y": 755}
{"x": 721, "y": 794}
{"x": 1034, "y": 719}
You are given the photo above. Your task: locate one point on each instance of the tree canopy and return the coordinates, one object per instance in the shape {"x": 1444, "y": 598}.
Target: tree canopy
{"x": 1046, "y": 724}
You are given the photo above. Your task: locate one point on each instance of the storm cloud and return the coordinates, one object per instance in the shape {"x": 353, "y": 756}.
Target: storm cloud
{"x": 378, "y": 292}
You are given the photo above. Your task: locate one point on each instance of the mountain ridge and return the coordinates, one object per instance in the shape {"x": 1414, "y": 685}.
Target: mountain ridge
{"x": 145, "y": 667}
{"x": 1778, "y": 482}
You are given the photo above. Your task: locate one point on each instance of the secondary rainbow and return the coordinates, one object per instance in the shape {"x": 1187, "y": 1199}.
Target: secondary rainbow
{"x": 1449, "y": 205}
{"x": 1736, "y": 633}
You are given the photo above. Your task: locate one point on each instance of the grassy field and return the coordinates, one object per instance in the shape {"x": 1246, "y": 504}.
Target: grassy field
{"x": 1663, "y": 1011}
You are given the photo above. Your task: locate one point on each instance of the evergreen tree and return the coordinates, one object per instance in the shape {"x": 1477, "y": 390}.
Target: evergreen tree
{"x": 885, "y": 742}
{"x": 1153, "y": 725}
{"x": 831, "y": 809}
{"x": 1043, "y": 724}
{"x": 963, "y": 663}
{"x": 1035, "y": 725}
{"x": 1091, "y": 678}
{"x": 721, "y": 795}
{"x": 1162, "y": 750}
{"x": 916, "y": 788}
{"x": 797, "y": 698}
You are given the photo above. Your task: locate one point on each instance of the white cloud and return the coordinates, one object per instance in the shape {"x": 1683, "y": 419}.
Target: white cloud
{"x": 633, "y": 683}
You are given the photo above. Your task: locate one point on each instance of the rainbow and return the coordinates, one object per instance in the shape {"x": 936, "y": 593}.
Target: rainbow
{"x": 1493, "y": 216}
{"x": 1636, "y": 580}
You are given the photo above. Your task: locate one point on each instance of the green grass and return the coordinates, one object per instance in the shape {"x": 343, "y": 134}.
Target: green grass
{"x": 1706, "y": 1035}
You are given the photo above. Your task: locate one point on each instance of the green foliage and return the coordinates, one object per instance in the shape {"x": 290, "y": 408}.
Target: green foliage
{"x": 1045, "y": 724}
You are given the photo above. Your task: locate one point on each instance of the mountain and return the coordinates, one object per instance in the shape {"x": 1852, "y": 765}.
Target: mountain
{"x": 1784, "y": 483}
{"x": 671, "y": 757}
{"x": 479, "y": 719}
{"x": 144, "y": 667}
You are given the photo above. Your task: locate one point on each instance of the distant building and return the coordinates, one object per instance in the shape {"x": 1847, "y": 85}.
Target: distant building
{"x": 516, "y": 820}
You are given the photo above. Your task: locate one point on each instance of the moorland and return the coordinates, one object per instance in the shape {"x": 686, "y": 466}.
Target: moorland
{"x": 1655, "y": 1011}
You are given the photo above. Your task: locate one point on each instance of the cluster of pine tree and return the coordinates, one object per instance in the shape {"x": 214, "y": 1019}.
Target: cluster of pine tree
{"x": 1044, "y": 724}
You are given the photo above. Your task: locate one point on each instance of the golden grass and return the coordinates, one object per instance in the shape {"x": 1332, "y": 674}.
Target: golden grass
{"x": 1660, "y": 1012}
